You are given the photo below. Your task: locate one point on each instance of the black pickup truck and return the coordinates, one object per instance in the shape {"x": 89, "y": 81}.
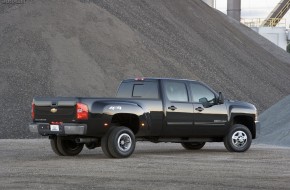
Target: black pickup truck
{"x": 145, "y": 109}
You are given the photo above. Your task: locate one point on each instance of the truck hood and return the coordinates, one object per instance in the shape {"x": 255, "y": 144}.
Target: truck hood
{"x": 240, "y": 104}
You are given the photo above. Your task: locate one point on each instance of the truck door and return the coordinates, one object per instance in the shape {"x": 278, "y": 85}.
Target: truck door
{"x": 178, "y": 109}
{"x": 210, "y": 118}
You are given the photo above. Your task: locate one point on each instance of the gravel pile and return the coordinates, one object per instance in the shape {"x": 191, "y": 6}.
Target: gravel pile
{"x": 85, "y": 48}
{"x": 275, "y": 123}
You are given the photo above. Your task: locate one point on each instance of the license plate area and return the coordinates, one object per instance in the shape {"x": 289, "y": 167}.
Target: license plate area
{"x": 54, "y": 127}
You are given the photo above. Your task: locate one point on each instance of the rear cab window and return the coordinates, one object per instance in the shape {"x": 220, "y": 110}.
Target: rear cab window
{"x": 139, "y": 89}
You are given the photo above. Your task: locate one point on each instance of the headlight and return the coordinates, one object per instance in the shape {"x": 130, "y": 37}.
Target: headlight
{"x": 256, "y": 115}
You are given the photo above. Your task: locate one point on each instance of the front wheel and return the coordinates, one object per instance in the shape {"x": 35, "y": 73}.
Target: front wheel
{"x": 239, "y": 139}
{"x": 121, "y": 142}
{"x": 68, "y": 147}
{"x": 193, "y": 145}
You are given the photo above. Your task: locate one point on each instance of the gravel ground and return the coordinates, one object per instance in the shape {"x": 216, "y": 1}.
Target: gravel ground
{"x": 31, "y": 164}
{"x": 46, "y": 49}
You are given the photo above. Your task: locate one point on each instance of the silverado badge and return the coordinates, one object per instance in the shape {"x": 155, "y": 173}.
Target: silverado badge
{"x": 53, "y": 110}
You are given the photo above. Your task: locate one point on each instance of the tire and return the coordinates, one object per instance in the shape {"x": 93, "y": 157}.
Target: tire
{"x": 193, "y": 145}
{"x": 104, "y": 144}
{"x": 121, "y": 142}
{"x": 68, "y": 147}
{"x": 239, "y": 139}
{"x": 53, "y": 144}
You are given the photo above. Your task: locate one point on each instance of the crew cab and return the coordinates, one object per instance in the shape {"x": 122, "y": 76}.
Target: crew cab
{"x": 145, "y": 109}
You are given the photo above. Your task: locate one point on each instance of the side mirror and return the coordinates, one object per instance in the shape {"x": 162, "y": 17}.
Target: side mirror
{"x": 204, "y": 102}
{"x": 221, "y": 99}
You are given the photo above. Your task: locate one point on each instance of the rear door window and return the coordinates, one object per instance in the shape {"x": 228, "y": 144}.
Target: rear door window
{"x": 176, "y": 91}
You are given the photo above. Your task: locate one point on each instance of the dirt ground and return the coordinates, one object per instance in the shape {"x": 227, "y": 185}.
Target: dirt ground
{"x": 31, "y": 164}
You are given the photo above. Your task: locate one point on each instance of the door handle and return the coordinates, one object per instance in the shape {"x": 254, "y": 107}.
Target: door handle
{"x": 172, "y": 108}
{"x": 199, "y": 109}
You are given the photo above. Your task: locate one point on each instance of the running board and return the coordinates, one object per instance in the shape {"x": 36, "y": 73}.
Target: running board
{"x": 180, "y": 140}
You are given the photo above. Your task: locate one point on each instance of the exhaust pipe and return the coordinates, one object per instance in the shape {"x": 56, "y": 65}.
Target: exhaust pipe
{"x": 86, "y": 140}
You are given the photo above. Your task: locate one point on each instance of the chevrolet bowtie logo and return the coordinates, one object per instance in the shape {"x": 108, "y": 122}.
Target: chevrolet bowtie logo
{"x": 53, "y": 110}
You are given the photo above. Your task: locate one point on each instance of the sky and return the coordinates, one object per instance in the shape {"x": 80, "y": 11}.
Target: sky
{"x": 254, "y": 8}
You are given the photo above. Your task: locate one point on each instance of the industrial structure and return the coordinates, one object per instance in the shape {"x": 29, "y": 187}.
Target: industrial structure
{"x": 277, "y": 14}
{"x": 234, "y": 9}
{"x": 273, "y": 27}
{"x": 270, "y": 27}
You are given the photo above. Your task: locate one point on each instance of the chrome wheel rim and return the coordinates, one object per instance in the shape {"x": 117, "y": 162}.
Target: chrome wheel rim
{"x": 124, "y": 142}
{"x": 239, "y": 139}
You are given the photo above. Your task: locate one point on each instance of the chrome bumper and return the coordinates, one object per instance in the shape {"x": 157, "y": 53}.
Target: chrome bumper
{"x": 64, "y": 129}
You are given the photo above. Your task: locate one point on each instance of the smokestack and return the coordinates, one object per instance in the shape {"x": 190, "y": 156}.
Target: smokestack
{"x": 234, "y": 9}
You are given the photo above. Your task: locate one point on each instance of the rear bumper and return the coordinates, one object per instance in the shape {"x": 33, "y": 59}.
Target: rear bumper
{"x": 258, "y": 129}
{"x": 63, "y": 129}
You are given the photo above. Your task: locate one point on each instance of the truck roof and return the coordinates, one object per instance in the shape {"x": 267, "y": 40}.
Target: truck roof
{"x": 154, "y": 78}
{"x": 173, "y": 79}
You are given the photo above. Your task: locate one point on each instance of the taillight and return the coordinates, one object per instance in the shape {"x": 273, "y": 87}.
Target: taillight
{"x": 82, "y": 111}
{"x": 32, "y": 110}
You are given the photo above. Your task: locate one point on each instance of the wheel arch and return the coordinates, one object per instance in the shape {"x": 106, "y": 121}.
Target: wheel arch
{"x": 129, "y": 120}
{"x": 126, "y": 114}
{"x": 247, "y": 121}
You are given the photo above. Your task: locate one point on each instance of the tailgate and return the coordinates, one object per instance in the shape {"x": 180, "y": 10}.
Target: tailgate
{"x": 55, "y": 109}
